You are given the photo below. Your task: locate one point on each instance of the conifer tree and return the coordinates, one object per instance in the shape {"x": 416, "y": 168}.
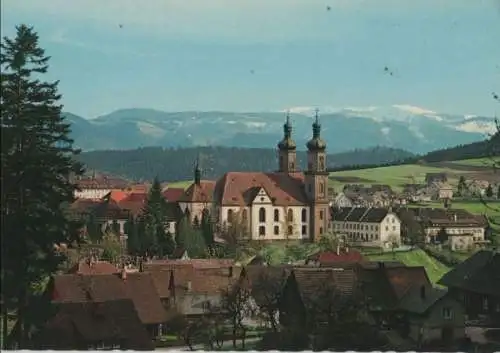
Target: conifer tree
{"x": 155, "y": 239}
{"x": 37, "y": 159}
{"x": 207, "y": 228}
{"x": 190, "y": 239}
{"x": 131, "y": 230}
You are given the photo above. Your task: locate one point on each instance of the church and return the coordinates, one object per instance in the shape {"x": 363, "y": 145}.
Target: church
{"x": 285, "y": 205}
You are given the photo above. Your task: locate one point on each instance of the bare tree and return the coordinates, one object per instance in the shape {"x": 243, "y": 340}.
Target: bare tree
{"x": 236, "y": 307}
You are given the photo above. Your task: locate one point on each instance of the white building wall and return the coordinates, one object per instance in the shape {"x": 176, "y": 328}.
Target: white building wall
{"x": 91, "y": 193}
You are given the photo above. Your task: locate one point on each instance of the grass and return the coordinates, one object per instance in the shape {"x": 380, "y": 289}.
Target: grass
{"x": 435, "y": 269}
{"x": 474, "y": 207}
{"x": 180, "y": 184}
{"x": 475, "y": 162}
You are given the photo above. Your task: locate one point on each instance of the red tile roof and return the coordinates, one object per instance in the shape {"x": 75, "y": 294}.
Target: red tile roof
{"x": 117, "y": 195}
{"x": 173, "y": 194}
{"x": 239, "y": 188}
{"x": 93, "y": 268}
{"x": 331, "y": 257}
{"x": 199, "y": 193}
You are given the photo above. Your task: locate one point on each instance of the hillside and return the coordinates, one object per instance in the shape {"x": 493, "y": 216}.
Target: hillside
{"x": 400, "y": 127}
{"x": 177, "y": 164}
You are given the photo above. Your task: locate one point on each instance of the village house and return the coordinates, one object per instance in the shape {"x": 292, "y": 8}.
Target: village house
{"x": 463, "y": 229}
{"x": 341, "y": 200}
{"x": 96, "y": 187}
{"x": 375, "y": 227}
{"x": 104, "y": 325}
{"x": 475, "y": 282}
{"x": 287, "y": 204}
{"x": 432, "y": 317}
{"x": 331, "y": 258}
{"x": 441, "y": 191}
{"x": 431, "y": 178}
{"x": 137, "y": 287}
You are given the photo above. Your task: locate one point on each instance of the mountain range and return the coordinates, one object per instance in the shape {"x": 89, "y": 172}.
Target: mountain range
{"x": 404, "y": 127}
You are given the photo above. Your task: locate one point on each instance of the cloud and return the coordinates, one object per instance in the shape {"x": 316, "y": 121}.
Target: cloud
{"x": 414, "y": 110}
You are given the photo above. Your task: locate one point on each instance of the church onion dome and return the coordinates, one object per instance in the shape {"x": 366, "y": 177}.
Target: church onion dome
{"x": 316, "y": 143}
{"x": 287, "y": 143}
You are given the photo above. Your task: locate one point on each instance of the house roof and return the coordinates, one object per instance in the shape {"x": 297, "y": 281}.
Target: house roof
{"x": 173, "y": 194}
{"x": 83, "y": 205}
{"x": 199, "y": 193}
{"x": 115, "y": 321}
{"x": 359, "y": 214}
{"x": 239, "y": 188}
{"x": 134, "y": 202}
{"x": 414, "y": 302}
{"x": 101, "y": 288}
{"x": 102, "y": 182}
{"x": 198, "y": 263}
{"x": 85, "y": 267}
{"x": 332, "y": 257}
{"x": 479, "y": 273}
{"x": 116, "y": 195}
{"x": 110, "y": 209}
{"x": 312, "y": 281}
{"x": 439, "y": 217}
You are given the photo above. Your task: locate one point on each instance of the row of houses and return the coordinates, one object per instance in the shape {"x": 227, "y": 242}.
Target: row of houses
{"x": 99, "y": 306}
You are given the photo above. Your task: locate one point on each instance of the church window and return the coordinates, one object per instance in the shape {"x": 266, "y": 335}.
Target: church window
{"x": 321, "y": 188}
{"x": 276, "y": 215}
{"x": 262, "y": 231}
{"x": 290, "y": 230}
{"x": 321, "y": 215}
{"x": 290, "y": 216}
{"x": 229, "y": 216}
{"x": 244, "y": 216}
{"x": 276, "y": 230}
{"x": 262, "y": 215}
{"x": 304, "y": 230}
{"x": 304, "y": 215}
{"x": 320, "y": 230}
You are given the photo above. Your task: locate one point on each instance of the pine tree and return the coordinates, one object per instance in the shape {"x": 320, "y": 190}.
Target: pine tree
{"x": 37, "y": 160}
{"x": 190, "y": 239}
{"x": 207, "y": 228}
{"x": 489, "y": 191}
{"x": 131, "y": 230}
{"x": 154, "y": 239}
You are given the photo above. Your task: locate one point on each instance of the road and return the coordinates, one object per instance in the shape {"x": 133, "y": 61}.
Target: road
{"x": 196, "y": 347}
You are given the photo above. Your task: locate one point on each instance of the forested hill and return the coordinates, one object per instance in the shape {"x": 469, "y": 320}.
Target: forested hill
{"x": 486, "y": 148}
{"x": 177, "y": 164}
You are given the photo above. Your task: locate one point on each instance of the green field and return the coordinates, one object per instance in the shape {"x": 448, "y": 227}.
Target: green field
{"x": 476, "y": 162}
{"x": 435, "y": 269}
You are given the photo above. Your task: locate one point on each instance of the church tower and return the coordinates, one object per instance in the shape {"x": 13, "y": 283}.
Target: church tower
{"x": 316, "y": 182}
{"x": 287, "y": 147}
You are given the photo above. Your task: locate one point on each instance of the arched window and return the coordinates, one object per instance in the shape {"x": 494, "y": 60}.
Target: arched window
{"x": 276, "y": 230}
{"x": 290, "y": 230}
{"x": 276, "y": 215}
{"x": 230, "y": 216}
{"x": 290, "y": 216}
{"x": 304, "y": 215}
{"x": 244, "y": 216}
{"x": 262, "y": 230}
{"x": 321, "y": 163}
{"x": 321, "y": 188}
{"x": 262, "y": 215}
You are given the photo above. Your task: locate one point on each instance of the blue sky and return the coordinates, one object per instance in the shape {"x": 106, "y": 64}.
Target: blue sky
{"x": 260, "y": 55}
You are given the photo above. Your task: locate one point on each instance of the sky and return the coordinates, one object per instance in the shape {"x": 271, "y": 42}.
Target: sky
{"x": 265, "y": 55}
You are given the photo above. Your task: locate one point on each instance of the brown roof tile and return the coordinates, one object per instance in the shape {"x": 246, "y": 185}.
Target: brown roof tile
{"x": 173, "y": 194}
{"x": 201, "y": 193}
{"x": 238, "y": 188}
{"x": 85, "y": 267}
{"x": 101, "y": 288}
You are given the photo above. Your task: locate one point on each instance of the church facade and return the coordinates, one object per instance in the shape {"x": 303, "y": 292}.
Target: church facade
{"x": 287, "y": 204}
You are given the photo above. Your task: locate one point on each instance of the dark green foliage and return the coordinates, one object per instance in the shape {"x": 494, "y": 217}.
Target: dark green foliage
{"x": 207, "y": 227}
{"x": 154, "y": 239}
{"x": 462, "y": 186}
{"x": 191, "y": 239}
{"x": 37, "y": 160}
{"x": 145, "y": 163}
{"x": 489, "y": 191}
{"x": 93, "y": 228}
{"x": 498, "y": 193}
{"x": 442, "y": 236}
{"x": 133, "y": 240}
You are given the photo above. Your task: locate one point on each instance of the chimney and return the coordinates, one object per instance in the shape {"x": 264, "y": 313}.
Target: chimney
{"x": 422, "y": 292}
{"x": 189, "y": 286}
